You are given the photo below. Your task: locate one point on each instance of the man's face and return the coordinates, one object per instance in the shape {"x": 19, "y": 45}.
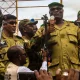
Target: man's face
{"x": 34, "y": 28}
{"x": 10, "y": 26}
{"x": 29, "y": 30}
{"x": 56, "y": 11}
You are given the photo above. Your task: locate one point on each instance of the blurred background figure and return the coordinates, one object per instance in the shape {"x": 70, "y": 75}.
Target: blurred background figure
{"x": 77, "y": 22}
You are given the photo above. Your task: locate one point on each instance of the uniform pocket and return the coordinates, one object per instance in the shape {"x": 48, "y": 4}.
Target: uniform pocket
{"x": 74, "y": 60}
{"x": 74, "y": 63}
{"x": 72, "y": 35}
{"x": 53, "y": 38}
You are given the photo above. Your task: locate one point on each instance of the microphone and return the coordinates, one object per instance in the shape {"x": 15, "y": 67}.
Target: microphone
{"x": 52, "y": 20}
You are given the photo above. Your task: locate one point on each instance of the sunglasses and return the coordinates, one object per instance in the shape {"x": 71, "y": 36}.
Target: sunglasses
{"x": 12, "y": 22}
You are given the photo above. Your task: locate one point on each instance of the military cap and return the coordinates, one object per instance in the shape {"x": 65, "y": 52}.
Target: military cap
{"x": 27, "y": 21}
{"x": 55, "y": 4}
{"x": 24, "y": 22}
{"x": 33, "y": 21}
{"x": 9, "y": 16}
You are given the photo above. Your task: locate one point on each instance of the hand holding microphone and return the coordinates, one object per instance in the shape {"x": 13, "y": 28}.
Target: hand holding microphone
{"x": 52, "y": 22}
{"x": 50, "y": 26}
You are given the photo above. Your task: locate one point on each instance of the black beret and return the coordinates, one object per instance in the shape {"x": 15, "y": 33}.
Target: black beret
{"x": 9, "y": 16}
{"x": 55, "y": 4}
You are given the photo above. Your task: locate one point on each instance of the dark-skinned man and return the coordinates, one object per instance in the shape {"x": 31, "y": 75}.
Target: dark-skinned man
{"x": 17, "y": 57}
{"x": 63, "y": 41}
{"x": 8, "y": 39}
{"x": 28, "y": 28}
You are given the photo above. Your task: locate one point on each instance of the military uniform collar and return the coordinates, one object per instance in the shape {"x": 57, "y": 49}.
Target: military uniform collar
{"x": 65, "y": 24}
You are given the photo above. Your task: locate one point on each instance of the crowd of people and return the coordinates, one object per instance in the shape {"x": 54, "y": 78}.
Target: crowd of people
{"x": 26, "y": 53}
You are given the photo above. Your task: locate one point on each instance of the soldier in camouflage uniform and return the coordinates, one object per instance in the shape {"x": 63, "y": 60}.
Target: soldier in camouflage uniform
{"x": 28, "y": 28}
{"x": 63, "y": 41}
{"x": 8, "y": 39}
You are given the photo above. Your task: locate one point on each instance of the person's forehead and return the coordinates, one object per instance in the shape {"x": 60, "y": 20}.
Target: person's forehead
{"x": 55, "y": 7}
{"x": 30, "y": 25}
{"x": 11, "y": 20}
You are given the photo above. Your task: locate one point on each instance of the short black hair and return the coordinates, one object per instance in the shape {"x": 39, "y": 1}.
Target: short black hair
{"x": 9, "y": 16}
{"x": 13, "y": 52}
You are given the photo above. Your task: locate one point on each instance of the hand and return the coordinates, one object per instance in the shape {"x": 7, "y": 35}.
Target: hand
{"x": 70, "y": 75}
{"x": 44, "y": 53}
{"x": 73, "y": 75}
{"x": 43, "y": 75}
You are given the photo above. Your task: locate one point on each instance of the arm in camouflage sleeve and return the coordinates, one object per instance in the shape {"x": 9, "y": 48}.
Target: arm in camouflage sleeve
{"x": 37, "y": 40}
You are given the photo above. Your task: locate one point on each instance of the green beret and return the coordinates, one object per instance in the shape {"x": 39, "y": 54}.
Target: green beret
{"x": 55, "y": 4}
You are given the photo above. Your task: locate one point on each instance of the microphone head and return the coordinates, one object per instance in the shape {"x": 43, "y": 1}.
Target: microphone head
{"x": 52, "y": 18}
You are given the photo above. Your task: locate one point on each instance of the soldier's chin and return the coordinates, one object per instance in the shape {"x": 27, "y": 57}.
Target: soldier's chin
{"x": 13, "y": 31}
{"x": 57, "y": 17}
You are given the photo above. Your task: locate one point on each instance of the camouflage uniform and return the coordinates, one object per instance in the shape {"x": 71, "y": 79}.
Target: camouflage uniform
{"x": 7, "y": 42}
{"x": 26, "y": 27}
{"x": 22, "y": 24}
